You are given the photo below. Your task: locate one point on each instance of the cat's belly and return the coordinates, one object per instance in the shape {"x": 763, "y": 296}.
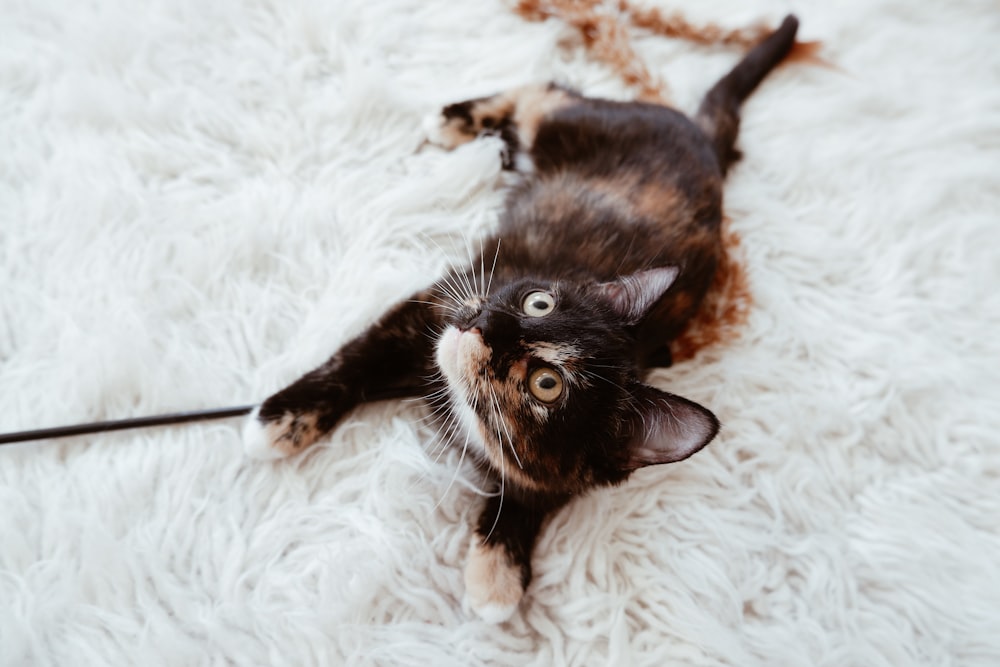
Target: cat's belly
{"x": 569, "y": 224}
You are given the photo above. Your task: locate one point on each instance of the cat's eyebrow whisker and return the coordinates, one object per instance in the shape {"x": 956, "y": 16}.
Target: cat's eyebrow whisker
{"x": 482, "y": 268}
{"x": 449, "y": 277}
{"x": 492, "y": 268}
{"x": 449, "y": 287}
{"x": 468, "y": 292}
{"x": 597, "y": 376}
{"x": 470, "y": 273}
{"x": 468, "y": 276}
{"x": 593, "y": 365}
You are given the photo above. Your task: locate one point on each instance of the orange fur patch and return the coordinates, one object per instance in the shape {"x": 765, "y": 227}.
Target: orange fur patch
{"x": 603, "y": 25}
{"x": 725, "y": 308}
{"x": 605, "y": 35}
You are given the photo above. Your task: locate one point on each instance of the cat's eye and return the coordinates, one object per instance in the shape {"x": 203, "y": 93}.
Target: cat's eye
{"x": 545, "y": 384}
{"x": 538, "y": 304}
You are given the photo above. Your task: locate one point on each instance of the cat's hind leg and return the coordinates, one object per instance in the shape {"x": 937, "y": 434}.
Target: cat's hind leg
{"x": 513, "y": 115}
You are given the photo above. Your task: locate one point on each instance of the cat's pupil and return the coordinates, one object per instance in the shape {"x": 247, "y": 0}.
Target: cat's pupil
{"x": 540, "y": 305}
{"x": 547, "y": 383}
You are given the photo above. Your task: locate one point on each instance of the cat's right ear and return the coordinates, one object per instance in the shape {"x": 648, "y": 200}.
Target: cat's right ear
{"x": 666, "y": 428}
{"x": 632, "y": 296}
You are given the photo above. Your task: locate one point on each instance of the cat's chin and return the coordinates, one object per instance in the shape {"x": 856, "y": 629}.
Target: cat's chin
{"x": 258, "y": 438}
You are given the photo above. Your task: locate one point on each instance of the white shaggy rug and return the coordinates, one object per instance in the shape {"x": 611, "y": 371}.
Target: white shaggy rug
{"x": 201, "y": 200}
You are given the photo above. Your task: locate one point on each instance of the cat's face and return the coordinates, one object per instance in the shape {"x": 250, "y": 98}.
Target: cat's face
{"x": 542, "y": 377}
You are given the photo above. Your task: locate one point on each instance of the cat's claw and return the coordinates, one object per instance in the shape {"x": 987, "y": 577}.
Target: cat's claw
{"x": 492, "y": 582}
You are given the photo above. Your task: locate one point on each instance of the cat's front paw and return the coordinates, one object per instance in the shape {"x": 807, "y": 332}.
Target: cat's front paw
{"x": 268, "y": 439}
{"x": 493, "y": 581}
{"x": 451, "y": 127}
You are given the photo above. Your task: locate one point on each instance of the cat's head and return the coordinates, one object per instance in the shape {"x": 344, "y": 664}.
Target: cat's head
{"x": 543, "y": 375}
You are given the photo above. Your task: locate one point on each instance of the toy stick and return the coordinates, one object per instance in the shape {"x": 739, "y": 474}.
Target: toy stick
{"x": 122, "y": 424}
{"x": 386, "y": 394}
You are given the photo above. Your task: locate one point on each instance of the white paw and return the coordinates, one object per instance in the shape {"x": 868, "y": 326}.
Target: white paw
{"x": 433, "y": 125}
{"x": 444, "y": 132}
{"x": 492, "y": 582}
{"x": 258, "y": 438}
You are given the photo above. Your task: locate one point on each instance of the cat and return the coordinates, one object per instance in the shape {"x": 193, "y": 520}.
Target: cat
{"x": 536, "y": 350}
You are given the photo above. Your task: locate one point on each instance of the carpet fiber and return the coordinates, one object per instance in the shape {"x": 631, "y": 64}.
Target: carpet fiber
{"x": 201, "y": 200}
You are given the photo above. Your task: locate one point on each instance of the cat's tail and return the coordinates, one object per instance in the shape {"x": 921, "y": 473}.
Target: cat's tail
{"x": 719, "y": 113}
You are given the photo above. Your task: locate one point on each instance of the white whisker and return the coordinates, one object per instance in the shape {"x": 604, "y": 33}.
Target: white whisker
{"x": 442, "y": 306}
{"x": 448, "y": 284}
{"x": 458, "y": 290}
{"x": 503, "y": 423}
{"x": 597, "y": 376}
{"x": 496, "y": 520}
{"x": 461, "y": 460}
{"x": 492, "y": 268}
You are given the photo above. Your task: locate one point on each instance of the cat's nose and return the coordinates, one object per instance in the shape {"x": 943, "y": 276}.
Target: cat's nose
{"x": 494, "y": 325}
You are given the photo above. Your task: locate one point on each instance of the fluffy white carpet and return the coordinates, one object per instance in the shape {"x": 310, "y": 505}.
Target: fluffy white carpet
{"x": 201, "y": 200}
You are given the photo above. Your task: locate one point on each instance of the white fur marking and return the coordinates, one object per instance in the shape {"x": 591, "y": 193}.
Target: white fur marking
{"x": 449, "y": 355}
{"x": 291, "y": 434}
{"x": 258, "y": 438}
{"x": 492, "y": 582}
{"x": 557, "y": 355}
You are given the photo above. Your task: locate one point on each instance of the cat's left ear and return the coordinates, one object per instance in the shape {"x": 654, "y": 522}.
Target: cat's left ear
{"x": 666, "y": 428}
{"x": 632, "y": 296}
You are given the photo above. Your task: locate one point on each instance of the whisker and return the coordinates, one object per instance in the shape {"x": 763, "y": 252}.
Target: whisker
{"x": 461, "y": 460}
{"x": 597, "y": 376}
{"x": 492, "y": 268}
{"x": 443, "y": 306}
{"x": 446, "y": 277}
{"x": 470, "y": 274}
{"x": 450, "y": 425}
{"x": 450, "y": 287}
{"x": 482, "y": 268}
{"x": 496, "y": 519}
{"x": 434, "y": 414}
{"x": 450, "y": 428}
{"x": 503, "y": 423}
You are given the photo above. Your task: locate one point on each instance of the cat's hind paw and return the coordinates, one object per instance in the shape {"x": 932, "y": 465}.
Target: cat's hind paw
{"x": 493, "y": 587}
{"x": 267, "y": 440}
{"x": 449, "y": 128}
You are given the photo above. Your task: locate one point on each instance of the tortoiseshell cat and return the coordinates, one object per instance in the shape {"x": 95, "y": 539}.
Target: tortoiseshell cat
{"x": 538, "y": 348}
